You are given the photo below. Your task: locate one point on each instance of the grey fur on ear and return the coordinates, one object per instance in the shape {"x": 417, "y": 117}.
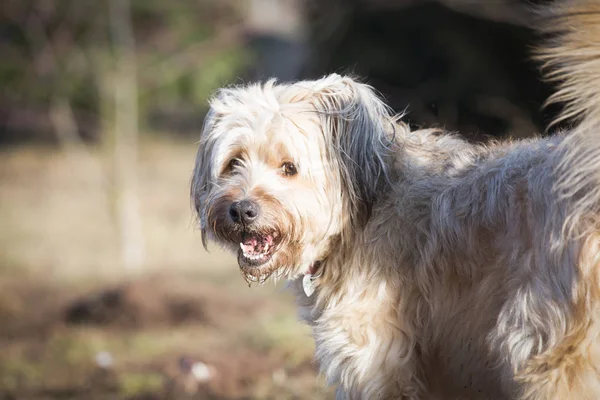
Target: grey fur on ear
{"x": 203, "y": 171}
{"x": 360, "y": 127}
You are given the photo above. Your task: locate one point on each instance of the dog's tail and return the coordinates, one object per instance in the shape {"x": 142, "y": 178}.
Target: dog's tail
{"x": 571, "y": 59}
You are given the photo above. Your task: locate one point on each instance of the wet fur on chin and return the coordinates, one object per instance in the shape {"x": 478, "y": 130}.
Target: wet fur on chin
{"x": 448, "y": 270}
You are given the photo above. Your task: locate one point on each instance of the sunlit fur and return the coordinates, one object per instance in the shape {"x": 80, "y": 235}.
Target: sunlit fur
{"x": 447, "y": 270}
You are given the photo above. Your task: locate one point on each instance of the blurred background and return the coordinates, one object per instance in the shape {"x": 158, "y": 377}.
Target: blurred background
{"x": 105, "y": 289}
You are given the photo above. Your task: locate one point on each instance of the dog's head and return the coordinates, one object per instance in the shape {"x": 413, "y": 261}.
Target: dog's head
{"x": 284, "y": 172}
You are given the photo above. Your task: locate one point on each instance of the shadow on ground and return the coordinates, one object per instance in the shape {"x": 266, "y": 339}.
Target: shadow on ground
{"x": 159, "y": 337}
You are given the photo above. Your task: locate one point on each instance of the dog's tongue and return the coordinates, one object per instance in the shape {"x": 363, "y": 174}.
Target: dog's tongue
{"x": 254, "y": 244}
{"x": 249, "y": 245}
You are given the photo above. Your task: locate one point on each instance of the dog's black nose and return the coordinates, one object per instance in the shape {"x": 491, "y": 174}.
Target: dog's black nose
{"x": 244, "y": 211}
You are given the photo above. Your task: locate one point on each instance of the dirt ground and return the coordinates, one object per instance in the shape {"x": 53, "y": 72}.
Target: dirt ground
{"x": 75, "y": 325}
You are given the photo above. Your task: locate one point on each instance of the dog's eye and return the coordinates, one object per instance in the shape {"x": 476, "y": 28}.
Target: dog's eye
{"x": 289, "y": 169}
{"x": 234, "y": 163}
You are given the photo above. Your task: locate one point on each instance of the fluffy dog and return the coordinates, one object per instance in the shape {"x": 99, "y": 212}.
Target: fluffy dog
{"x": 426, "y": 266}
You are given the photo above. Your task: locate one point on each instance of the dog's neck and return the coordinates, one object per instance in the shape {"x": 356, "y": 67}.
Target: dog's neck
{"x": 366, "y": 247}
{"x": 344, "y": 273}
{"x": 361, "y": 250}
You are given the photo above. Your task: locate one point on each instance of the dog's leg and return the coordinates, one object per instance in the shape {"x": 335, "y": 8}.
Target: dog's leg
{"x": 340, "y": 394}
{"x": 364, "y": 348}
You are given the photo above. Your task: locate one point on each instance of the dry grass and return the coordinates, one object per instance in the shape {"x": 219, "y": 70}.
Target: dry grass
{"x": 58, "y": 252}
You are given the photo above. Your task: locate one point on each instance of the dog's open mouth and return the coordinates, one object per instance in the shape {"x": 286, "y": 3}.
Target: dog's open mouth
{"x": 256, "y": 249}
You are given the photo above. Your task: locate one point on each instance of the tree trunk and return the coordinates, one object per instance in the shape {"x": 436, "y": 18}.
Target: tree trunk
{"x": 125, "y": 136}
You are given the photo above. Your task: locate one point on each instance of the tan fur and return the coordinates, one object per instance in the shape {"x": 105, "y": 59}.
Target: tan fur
{"x": 443, "y": 270}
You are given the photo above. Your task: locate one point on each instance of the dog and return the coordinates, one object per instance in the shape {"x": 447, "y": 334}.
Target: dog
{"x": 426, "y": 266}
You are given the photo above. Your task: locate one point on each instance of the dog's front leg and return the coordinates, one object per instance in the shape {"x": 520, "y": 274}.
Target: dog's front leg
{"x": 340, "y": 394}
{"x": 383, "y": 394}
{"x": 367, "y": 352}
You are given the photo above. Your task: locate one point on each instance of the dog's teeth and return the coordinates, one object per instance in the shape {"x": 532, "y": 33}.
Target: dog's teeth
{"x": 255, "y": 257}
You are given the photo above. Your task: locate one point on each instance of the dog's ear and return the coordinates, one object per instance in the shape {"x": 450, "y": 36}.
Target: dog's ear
{"x": 202, "y": 176}
{"x": 359, "y": 129}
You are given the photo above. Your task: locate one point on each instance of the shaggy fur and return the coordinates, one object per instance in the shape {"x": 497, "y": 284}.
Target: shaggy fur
{"x": 441, "y": 269}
